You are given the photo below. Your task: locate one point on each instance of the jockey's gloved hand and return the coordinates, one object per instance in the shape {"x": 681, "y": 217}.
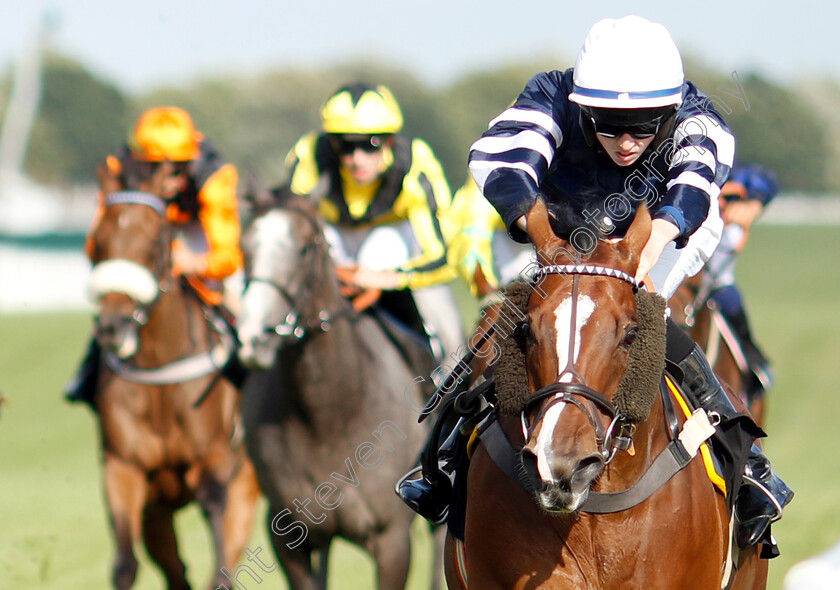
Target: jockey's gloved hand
{"x": 368, "y": 278}
{"x": 662, "y": 232}
{"x": 186, "y": 262}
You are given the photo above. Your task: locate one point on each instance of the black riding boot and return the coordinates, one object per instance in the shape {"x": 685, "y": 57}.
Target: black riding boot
{"x": 82, "y": 386}
{"x": 429, "y": 494}
{"x": 234, "y": 371}
{"x": 763, "y": 494}
{"x": 760, "y": 377}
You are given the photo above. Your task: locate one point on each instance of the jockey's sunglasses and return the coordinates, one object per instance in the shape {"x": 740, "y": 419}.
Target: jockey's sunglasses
{"x": 640, "y": 131}
{"x": 369, "y": 144}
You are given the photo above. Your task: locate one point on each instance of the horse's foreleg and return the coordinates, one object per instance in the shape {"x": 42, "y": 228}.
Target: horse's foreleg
{"x": 392, "y": 553}
{"x": 212, "y": 496}
{"x": 323, "y": 563}
{"x": 229, "y": 510}
{"x": 296, "y": 561}
{"x": 125, "y": 493}
{"x": 242, "y": 496}
{"x": 162, "y": 545}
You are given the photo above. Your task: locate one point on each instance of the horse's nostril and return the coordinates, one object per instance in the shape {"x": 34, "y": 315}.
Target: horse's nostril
{"x": 586, "y": 472}
{"x": 529, "y": 463}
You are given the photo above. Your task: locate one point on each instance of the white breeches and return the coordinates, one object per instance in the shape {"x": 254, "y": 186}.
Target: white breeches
{"x": 389, "y": 247}
{"x": 510, "y": 258}
{"x": 675, "y": 265}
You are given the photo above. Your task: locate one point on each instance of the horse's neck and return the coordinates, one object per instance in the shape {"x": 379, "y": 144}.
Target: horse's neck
{"x": 337, "y": 356}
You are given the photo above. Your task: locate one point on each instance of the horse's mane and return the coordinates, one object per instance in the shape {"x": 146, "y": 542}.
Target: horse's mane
{"x": 639, "y": 384}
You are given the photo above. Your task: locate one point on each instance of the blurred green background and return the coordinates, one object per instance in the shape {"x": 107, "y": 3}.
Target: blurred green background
{"x": 255, "y": 119}
{"x": 53, "y": 527}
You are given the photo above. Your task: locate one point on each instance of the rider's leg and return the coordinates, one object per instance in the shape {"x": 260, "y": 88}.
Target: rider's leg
{"x": 439, "y": 311}
{"x": 428, "y": 488}
{"x": 730, "y": 303}
{"x": 763, "y": 494}
{"x": 82, "y": 386}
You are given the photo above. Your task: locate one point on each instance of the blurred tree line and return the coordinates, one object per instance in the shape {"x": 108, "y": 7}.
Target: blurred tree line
{"x": 255, "y": 120}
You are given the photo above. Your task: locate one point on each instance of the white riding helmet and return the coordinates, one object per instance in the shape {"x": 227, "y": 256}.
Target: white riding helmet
{"x": 628, "y": 63}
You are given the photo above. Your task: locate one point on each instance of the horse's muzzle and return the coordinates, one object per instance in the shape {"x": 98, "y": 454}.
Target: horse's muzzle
{"x": 118, "y": 334}
{"x": 561, "y": 484}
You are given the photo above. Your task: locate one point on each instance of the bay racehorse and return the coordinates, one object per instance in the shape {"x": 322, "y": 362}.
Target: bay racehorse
{"x": 552, "y": 500}
{"x": 693, "y": 309}
{"x": 161, "y": 352}
{"x": 330, "y": 404}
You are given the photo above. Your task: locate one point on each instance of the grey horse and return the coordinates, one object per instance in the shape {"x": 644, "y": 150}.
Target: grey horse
{"x": 329, "y": 406}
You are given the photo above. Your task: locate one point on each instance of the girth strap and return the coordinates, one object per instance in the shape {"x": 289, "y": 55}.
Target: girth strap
{"x": 500, "y": 449}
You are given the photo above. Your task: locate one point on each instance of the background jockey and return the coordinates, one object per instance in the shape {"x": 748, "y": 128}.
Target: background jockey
{"x": 202, "y": 203}
{"x": 383, "y": 201}
{"x": 742, "y": 199}
{"x": 621, "y": 128}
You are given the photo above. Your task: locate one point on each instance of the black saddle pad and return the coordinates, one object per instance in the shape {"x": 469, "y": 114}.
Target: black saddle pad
{"x": 400, "y": 320}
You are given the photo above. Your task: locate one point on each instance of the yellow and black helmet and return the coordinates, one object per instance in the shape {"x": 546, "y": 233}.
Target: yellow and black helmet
{"x": 361, "y": 108}
{"x": 164, "y": 133}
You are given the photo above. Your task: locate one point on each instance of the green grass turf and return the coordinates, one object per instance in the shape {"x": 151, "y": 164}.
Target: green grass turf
{"x": 53, "y": 525}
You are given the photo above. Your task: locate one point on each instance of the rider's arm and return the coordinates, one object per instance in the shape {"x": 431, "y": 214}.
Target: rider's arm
{"x": 471, "y": 223}
{"x": 424, "y": 199}
{"x": 219, "y": 216}
{"x": 511, "y": 159}
{"x": 701, "y": 153}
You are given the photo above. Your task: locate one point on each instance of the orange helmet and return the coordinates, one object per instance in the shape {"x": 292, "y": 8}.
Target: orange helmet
{"x": 164, "y": 133}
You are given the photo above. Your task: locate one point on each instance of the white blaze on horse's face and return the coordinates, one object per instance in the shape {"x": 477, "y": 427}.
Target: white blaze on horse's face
{"x": 273, "y": 257}
{"x": 565, "y": 331}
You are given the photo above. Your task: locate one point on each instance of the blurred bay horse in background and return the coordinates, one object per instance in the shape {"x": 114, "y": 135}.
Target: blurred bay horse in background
{"x": 162, "y": 349}
{"x": 329, "y": 406}
{"x": 693, "y": 309}
{"x": 552, "y": 496}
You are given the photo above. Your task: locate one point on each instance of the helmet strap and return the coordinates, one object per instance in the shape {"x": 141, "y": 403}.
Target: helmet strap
{"x": 666, "y": 130}
{"x": 587, "y": 128}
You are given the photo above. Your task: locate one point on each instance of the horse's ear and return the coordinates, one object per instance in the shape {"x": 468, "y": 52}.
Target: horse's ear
{"x": 539, "y": 230}
{"x": 638, "y": 233}
{"x": 108, "y": 180}
{"x": 155, "y": 184}
{"x": 321, "y": 189}
{"x": 257, "y": 197}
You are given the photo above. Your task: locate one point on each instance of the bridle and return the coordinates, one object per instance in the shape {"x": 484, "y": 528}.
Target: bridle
{"x": 294, "y": 325}
{"x": 618, "y": 434}
{"x": 160, "y": 274}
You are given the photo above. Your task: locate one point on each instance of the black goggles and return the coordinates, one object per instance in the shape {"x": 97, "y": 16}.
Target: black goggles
{"x": 638, "y": 131}
{"x": 369, "y": 144}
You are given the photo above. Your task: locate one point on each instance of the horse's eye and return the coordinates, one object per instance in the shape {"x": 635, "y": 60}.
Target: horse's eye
{"x": 523, "y": 335}
{"x": 630, "y": 336}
